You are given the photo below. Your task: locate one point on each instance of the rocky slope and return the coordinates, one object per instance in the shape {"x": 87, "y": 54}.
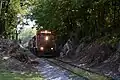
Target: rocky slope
{"x": 15, "y": 58}
{"x": 100, "y": 57}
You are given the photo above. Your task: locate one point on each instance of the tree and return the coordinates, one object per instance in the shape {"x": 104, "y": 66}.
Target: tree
{"x": 88, "y": 18}
{"x": 9, "y": 15}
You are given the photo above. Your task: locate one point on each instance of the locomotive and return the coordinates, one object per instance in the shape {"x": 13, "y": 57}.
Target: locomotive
{"x": 43, "y": 44}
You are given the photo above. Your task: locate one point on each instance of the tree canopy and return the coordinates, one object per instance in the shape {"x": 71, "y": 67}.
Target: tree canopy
{"x": 12, "y": 13}
{"x": 65, "y": 17}
{"x": 89, "y": 18}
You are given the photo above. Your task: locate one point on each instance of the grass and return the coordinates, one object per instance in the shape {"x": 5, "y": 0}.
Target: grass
{"x": 84, "y": 73}
{"x": 6, "y": 75}
{"x": 89, "y": 75}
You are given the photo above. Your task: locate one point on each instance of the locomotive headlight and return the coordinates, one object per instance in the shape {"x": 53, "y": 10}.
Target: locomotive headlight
{"x": 46, "y": 38}
{"x": 41, "y": 48}
{"x": 51, "y": 48}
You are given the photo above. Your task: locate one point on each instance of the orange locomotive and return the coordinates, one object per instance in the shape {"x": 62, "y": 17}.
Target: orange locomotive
{"x": 43, "y": 44}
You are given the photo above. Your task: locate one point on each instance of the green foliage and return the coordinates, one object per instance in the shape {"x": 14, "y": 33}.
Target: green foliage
{"x": 89, "y": 18}
{"x": 6, "y": 75}
{"x": 9, "y": 15}
{"x": 84, "y": 17}
{"x": 27, "y": 34}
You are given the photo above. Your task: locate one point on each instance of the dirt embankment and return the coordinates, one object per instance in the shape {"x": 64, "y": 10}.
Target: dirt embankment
{"x": 15, "y": 58}
{"x": 100, "y": 57}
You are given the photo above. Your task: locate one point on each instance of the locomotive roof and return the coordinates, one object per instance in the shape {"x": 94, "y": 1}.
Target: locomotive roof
{"x": 44, "y": 32}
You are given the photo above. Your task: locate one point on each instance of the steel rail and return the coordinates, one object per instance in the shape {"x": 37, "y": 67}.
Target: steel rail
{"x": 88, "y": 70}
{"x": 66, "y": 69}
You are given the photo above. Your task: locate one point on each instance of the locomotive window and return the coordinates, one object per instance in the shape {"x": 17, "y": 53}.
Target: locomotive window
{"x": 42, "y": 36}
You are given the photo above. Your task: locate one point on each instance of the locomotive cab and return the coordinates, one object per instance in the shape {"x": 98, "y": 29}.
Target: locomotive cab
{"x": 45, "y": 43}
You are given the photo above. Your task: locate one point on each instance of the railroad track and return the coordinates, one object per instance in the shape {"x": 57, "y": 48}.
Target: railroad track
{"x": 53, "y": 62}
{"x": 72, "y": 68}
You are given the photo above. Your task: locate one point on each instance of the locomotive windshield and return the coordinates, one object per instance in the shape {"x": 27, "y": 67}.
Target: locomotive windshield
{"x": 45, "y": 37}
